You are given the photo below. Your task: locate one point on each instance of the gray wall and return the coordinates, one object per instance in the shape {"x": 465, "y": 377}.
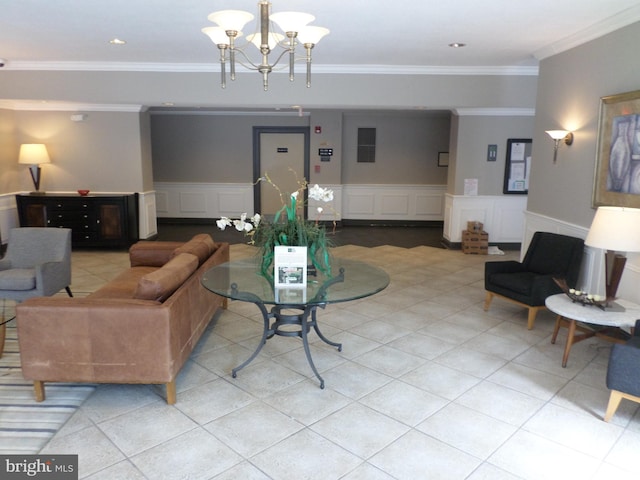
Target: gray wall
{"x": 10, "y": 178}
{"x": 407, "y": 146}
{"x": 106, "y": 152}
{"x": 569, "y": 91}
{"x": 218, "y": 148}
{"x": 471, "y": 136}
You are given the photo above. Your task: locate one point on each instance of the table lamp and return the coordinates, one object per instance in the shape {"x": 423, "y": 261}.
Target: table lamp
{"x": 616, "y": 230}
{"x": 34, "y": 154}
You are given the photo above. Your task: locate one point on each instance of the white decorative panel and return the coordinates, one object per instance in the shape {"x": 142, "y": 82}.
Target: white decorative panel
{"x": 162, "y": 202}
{"x": 502, "y": 216}
{"x": 203, "y": 200}
{"x": 360, "y": 204}
{"x": 231, "y": 203}
{"x": 393, "y": 202}
{"x": 8, "y": 215}
{"x": 429, "y": 204}
{"x": 148, "y": 221}
{"x": 394, "y": 205}
{"x": 191, "y": 202}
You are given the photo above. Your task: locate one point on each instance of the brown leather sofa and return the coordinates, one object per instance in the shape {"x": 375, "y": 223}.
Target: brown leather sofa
{"x": 141, "y": 327}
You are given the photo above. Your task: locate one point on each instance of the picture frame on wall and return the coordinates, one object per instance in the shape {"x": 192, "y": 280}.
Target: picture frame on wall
{"x": 443, "y": 159}
{"x": 617, "y": 169}
{"x": 517, "y": 169}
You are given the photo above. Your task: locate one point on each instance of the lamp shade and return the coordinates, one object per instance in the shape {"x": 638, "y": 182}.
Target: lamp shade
{"x": 311, "y": 34}
{"x": 616, "y": 229}
{"x": 557, "y": 134}
{"x": 33, "y": 154}
{"x": 231, "y": 19}
{"x": 218, "y": 35}
{"x": 291, "y": 21}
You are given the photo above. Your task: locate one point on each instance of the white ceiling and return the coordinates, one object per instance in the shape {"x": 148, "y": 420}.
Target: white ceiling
{"x": 366, "y": 35}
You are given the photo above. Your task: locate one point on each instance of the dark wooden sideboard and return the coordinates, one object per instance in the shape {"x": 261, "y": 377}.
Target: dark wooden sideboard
{"x": 100, "y": 220}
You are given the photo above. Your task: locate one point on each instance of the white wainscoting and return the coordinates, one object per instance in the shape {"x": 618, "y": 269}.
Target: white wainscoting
{"x": 502, "y": 216}
{"x": 592, "y": 276}
{"x": 147, "y": 217}
{"x": 8, "y": 215}
{"x": 203, "y": 200}
{"x": 393, "y": 202}
{"x": 215, "y": 200}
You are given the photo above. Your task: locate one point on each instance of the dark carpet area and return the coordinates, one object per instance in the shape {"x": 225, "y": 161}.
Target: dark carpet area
{"x": 365, "y": 236}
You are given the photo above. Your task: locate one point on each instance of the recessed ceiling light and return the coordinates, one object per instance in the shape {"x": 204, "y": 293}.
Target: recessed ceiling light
{"x": 117, "y": 41}
{"x": 457, "y": 45}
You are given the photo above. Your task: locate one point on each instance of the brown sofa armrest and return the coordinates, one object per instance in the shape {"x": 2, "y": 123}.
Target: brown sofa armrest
{"x": 152, "y": 254}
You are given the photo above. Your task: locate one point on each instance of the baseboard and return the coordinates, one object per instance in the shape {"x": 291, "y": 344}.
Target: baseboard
{"x": 392, "y": 223}
{"x": 501, "y": 246}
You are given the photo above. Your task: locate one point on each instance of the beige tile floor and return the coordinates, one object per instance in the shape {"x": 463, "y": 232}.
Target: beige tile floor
{"x": 428, "y": 385}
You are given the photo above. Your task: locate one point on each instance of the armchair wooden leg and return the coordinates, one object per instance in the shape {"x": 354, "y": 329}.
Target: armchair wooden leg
{"x": 487, "y": 301}
{"x": 3, "y": 334}
{"x": 68, "y": 291}
{"x": 171, "y": 392}
{"x": 38, "y": 388}
{"x": 531, "y": 318}
{"x": 614, "y": 403}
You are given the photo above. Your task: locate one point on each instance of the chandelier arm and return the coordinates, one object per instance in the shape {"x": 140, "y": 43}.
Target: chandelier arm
{"x": 223, "y": 61}
{"x": 308, "y": 47}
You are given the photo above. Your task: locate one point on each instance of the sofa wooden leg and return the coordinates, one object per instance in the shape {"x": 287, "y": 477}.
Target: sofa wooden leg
{"x": 487, "y": 301}
{"x": 171, "y": 392}
{"x": 38, "y": 389}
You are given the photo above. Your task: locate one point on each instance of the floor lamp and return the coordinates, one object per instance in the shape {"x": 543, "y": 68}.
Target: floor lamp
{"x": 34, "y": 154}
{"x": 616, "y": 230}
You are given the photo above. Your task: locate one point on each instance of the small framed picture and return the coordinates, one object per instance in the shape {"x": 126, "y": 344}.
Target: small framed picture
{"x": 443, "y": 159}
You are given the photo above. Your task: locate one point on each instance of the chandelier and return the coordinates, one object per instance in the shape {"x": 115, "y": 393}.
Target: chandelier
{"x": 294, "y": 26}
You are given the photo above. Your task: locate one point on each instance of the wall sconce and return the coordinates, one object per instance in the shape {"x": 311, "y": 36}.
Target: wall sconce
{"x": 557, "y": 136}
{"x": 34, "y": 154}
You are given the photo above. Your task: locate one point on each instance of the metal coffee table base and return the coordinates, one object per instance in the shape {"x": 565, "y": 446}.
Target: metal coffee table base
{"x": 304, "y": 318}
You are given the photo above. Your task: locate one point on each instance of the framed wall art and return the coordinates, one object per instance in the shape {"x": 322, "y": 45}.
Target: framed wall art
{"x": 443, "y": 159}
{"x": 517, "y": 167}
{"x": 617, "y": 169}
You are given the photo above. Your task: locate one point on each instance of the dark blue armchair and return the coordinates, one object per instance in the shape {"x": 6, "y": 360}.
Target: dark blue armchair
{"x": 623, "y": 373}
{"x": 530, "y": 282}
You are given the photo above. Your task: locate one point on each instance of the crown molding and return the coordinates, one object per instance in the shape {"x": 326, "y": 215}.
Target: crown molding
{"x": 317, "y": 68}
{"x": 611, "y": 24}
{"x": 35, "y": 105}
{"x": 495, "y": 112}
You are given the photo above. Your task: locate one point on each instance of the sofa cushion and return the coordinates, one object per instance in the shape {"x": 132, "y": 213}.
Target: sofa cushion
{"x": 152, "y": 253}
{"x": 18, "y": 279}
{"x": 160, "y": 284}
{"x": 201, "y": 245}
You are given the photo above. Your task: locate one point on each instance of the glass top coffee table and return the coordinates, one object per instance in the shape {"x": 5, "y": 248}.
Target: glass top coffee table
{"x": 242, "y": 280}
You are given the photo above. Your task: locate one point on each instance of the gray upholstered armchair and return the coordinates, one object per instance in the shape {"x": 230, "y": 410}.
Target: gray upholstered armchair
{"x": 529, "y": 283}
{"x": 623, "y": 372}
{"x": 37, "y": 264}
